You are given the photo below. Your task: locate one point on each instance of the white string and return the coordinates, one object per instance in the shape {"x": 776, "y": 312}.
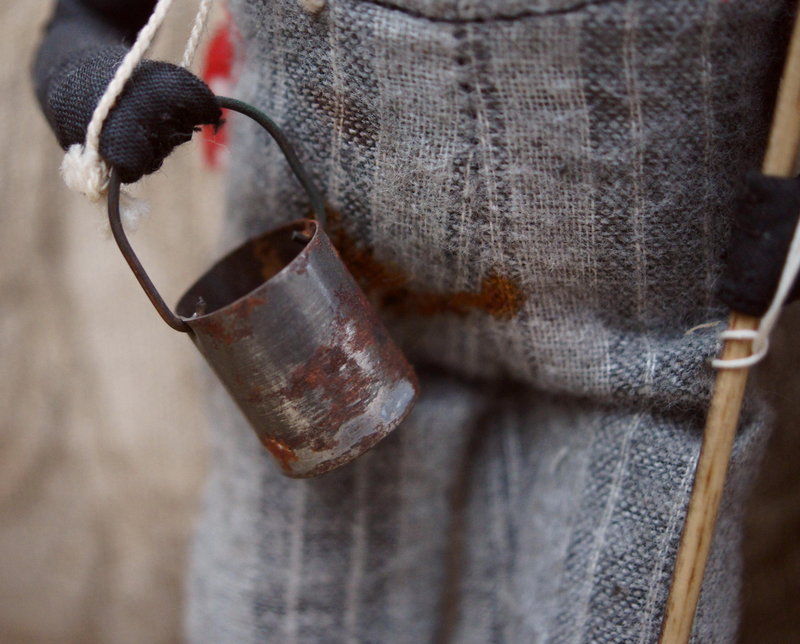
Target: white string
{"x": 83, "y": 169}
{"x": 760, "y": 336}
{"x": 200, "y": 21}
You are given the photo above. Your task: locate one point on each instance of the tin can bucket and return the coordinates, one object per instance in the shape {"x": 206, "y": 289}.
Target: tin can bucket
{"x": 293, "y": 338}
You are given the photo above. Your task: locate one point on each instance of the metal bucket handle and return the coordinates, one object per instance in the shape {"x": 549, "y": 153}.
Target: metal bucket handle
{"x": 314, "y": 197}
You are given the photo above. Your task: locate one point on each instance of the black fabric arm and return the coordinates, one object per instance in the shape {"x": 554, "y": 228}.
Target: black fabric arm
{"x": 760, "y": 239}
{"x": 160, "y": 107}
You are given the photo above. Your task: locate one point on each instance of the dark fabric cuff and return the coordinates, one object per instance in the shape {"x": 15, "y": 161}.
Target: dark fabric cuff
{"x": 762, "y": 232}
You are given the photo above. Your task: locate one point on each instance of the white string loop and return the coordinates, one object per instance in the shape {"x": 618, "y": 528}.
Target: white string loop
{"x": 760, "y": 347}
{"x": 760, "y": 337}
{"x": 83, "y": 169}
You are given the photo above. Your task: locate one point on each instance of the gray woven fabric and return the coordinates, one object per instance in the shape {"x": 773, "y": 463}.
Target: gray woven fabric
{"x": 582, "y": 158}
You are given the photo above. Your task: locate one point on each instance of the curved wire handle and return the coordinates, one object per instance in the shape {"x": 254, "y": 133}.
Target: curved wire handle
{"x": 133, "y": 261}
{"x": 314, "y": 197}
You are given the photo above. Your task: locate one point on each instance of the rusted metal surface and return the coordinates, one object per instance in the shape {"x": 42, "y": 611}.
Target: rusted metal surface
{"x": 302, "y": 353}
{"x": 291, "y": 336}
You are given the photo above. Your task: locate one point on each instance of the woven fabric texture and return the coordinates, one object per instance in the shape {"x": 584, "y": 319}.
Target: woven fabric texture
{"x": 536, "y": 193}
{"x": 493, "y": 514}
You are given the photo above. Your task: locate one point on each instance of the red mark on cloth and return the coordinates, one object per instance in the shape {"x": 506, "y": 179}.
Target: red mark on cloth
{"x": 219, "y": 74}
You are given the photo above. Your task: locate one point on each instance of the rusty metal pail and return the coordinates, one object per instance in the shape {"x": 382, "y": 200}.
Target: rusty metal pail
{"x": 292, "y": 337}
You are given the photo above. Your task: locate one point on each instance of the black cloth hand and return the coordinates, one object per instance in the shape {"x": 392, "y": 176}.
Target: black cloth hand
{"x": 161, "y": 105}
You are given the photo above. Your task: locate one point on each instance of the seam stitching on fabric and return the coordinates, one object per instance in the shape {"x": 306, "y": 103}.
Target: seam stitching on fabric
{"x": 531, "y": 13}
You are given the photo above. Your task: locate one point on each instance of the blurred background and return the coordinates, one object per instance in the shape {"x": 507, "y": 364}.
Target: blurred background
{"x": 103, "y": 442}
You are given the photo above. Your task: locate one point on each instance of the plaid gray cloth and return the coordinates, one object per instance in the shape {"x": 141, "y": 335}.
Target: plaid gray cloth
{"x": 537, "y": 195}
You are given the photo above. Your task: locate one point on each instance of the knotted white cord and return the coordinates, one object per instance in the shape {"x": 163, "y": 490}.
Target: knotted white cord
{"x": 83, "y": 169}
{"x": 760, "y": 336}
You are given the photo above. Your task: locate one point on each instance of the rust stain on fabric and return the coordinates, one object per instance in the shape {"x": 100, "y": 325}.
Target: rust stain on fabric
{"x": 389, "y": 286}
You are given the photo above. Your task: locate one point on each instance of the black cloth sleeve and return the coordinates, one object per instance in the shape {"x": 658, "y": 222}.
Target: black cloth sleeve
{"x": 161, "y": 105}
{"x": 762, "y": 233}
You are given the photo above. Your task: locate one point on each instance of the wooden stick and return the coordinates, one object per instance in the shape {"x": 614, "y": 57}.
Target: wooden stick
{"x": 723, "y": 415}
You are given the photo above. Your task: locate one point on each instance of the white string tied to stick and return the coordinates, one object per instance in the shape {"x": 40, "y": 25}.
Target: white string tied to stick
{"x": 760, "y": 336}
{"x": 83, "y": 168}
